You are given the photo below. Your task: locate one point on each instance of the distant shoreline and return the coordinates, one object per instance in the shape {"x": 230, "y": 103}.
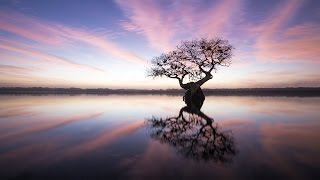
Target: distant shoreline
{"x": 298, "y": 91}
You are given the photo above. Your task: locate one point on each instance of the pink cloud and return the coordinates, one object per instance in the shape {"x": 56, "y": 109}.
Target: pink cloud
{"x": 130, "y": 27}
{"x": 17, "y": 47}
{"x": 275, "y": 41}
{"x": 55, "y": 34}
{"x": 164, "y": 26}
{"x": 279, "y": 17}
{"x": 304, "y": 48}
{"x": 25, "y": 80}
{"x": 147, "y": 17}
{"x": 107, "y": 46}
{"x": 30, "y": 28}
{"x": 306, "y": 29}
{"x": 218, "y": 18}
{"x": 8, "y": 69}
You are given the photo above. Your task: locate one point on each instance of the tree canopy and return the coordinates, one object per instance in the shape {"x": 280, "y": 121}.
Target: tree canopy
{"x": 194, "y": 60}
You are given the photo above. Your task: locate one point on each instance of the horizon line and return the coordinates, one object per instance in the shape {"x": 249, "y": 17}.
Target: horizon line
{"x": 71, "y": 87}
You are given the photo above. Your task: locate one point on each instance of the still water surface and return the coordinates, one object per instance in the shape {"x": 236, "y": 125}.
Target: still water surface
{"x": 153, "y": 137}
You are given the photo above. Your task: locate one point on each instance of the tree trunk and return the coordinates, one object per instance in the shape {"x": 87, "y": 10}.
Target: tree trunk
{"x": 194, "y": 95}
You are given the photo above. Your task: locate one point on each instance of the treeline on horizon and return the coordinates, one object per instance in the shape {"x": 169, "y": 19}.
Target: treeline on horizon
{"x": 289, "y": 91}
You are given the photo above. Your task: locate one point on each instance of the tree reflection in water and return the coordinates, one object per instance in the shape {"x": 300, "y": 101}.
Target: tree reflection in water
{"x": 194, "y": 135}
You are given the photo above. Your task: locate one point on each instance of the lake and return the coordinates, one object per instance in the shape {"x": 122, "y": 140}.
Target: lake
{"x": 156, "y": 137}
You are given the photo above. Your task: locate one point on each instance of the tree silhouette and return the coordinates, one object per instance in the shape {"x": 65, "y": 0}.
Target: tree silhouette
{"x": 194, "y": 136}
{"x": 193, "y": 60}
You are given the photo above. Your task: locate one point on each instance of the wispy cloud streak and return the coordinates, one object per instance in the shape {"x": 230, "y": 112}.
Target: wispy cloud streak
{"x": 165, "y": 23}
{"x": 54, "y": 34}
{"x": 147, "y": 18}
{"x": 17, "y": 47}
{"x": 8, "y": 69}
{"x": 275, "y": 40}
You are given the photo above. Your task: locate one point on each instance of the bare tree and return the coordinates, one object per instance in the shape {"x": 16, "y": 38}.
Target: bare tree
{"x": 192, "y": 60}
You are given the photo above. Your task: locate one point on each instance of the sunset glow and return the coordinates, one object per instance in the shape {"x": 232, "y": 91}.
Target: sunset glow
{"x": 107, "y": 44}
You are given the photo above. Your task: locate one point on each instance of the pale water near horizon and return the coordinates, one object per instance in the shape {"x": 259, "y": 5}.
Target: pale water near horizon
{"x": 116, "y": 137}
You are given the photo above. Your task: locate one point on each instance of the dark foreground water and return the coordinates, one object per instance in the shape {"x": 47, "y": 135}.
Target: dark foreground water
{"x": 155, "y": 137}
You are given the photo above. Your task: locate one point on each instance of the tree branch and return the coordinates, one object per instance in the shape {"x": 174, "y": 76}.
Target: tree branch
{"x": 194, "y": 59}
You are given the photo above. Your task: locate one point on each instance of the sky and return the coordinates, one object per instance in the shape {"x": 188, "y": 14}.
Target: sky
{"x": 109, "y": 44}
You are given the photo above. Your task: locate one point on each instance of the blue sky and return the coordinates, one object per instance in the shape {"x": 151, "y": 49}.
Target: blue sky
{"x": 108, "y": 43}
